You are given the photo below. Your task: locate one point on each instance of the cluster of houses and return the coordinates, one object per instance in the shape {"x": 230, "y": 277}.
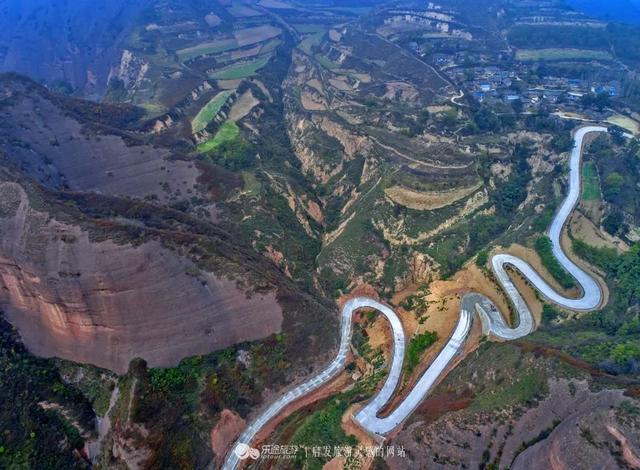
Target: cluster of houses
{"x": 493, "y": 84}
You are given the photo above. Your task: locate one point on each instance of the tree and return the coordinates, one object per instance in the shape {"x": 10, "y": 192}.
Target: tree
{"x": 562, "y": 142}
{"x": 613, "y": 185}
{"x": 599, "y": 101}
{"x": 613, "y": 222}
{"x": 617, "y": 135}
{"x": 626, "y": 352}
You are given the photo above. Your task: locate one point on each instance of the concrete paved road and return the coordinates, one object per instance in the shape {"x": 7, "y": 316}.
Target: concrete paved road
{"x": 493, "y": 323}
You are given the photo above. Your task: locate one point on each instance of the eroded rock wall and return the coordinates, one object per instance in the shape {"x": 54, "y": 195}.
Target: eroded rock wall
{"x": 103, "y": 303}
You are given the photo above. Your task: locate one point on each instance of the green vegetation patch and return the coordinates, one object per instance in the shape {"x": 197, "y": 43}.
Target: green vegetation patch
{"x": 210, "y": 110}
{"x": 326, "y": 62}
{"x": 207, "y": 48}
{"x": 590, "y": 183}
{"x": 548, "y": 36}
{"x": 308, "y": 43}
{"x": 34, "y": 437}
{"x": 418, "y": 345}
{"x": 241, "y": 70}
{"x": 607, "y": 338}
{"x": 523, "y": 388}
{"x": 227, "y": 133}
{"x": 229, "y": 148}
{"x": 511, "y": 379}
{"x": 96, "y": 384}
{"x": 561, "y": 54}
{"x": 358, "y": 11}
{"x": 544, "y": 249}
{"x": 307, "y": 28}
{"x": 252, "y": 185}
{"x": 322, "y": 428}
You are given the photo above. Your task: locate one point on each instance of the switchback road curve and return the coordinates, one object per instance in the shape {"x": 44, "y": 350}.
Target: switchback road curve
{"x": 493, "y": 323}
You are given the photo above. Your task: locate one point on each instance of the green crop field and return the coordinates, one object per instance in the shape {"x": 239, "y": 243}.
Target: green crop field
{"x": 210, "y": 110}
{"x": 326, "y": 62}
{"x": 590, "y": 185}
{"x": 561, "y": 54}
{"x": 270, "y": 46}
{"x": 306, "y": 28}
{"x": 313, "y": 40}
{"x": 241, "y": 70}
{"x": 252, "y": 186}
{"x": 206, "y": 48}
{"x": 227, "y": 133}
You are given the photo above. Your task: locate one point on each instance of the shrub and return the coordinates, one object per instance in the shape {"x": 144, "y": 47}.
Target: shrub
{"x": 544, "y": 249}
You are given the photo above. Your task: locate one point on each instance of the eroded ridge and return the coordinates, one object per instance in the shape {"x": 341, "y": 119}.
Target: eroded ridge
{"x": 493, "y": 323}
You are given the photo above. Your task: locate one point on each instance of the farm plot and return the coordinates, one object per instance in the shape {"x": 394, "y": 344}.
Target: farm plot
{"x": 561, "y": 54}
{"x": 210, "y": 110}
{"x": 310, "y": 41}
{"x": 248, "y": 36}
{"x": 240, "y": 70}
{"x": 275, "y": 4}
{"x": 227, "y": 133}
{"x": 590, "y": 185}
{"x": 307, "y": 28}
{"x": 243, "y": 106}
{"x": 238, "y": 10}
{"x": 207, "y": 48}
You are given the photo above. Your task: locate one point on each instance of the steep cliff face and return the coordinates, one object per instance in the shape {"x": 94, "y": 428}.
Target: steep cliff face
{"x": 103, "y": 303}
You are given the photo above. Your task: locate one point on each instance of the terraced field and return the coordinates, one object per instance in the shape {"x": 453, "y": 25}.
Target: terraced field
{"x": 207, "y": 48}
{"x": 210, "y": 110}
{"x": 240, "y": 69}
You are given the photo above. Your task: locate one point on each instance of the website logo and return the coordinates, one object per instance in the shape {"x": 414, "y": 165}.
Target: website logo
{"x": 243, "y": 452}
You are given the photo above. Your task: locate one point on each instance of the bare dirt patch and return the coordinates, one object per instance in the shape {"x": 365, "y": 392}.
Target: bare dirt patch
{"x": 625, "y": 122}
{"x": 225, "y": 432}
{"x": 584, "y": 229}
{"x": 229, "y": 84}
{"x": 316, "y": 85}
{"x": 312, "y": 102}
{"x": 246, "y": 53}
{"x": 212, "y": 20}
{"x": 243, "y": 106}
{"x": 400, "y": 90}
{"x": 340, "y": 84}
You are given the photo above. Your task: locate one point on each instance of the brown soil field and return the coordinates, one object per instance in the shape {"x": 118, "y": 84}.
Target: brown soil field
{"x": 248, "y": 36}
{"x": 275, "y": 4}
{"x": 242, "y": 11}
{"x": 243, "y": 106}
{"x": 246, "y": 53}
{"x": 584, "y": 229}
{"x": 229, "y": 84}
{"x": 310, "y": 103}
{"x": 427, "y": 200}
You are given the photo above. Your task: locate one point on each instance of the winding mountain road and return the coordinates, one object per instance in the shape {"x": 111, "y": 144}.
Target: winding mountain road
{"x": 492, "y": 320}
